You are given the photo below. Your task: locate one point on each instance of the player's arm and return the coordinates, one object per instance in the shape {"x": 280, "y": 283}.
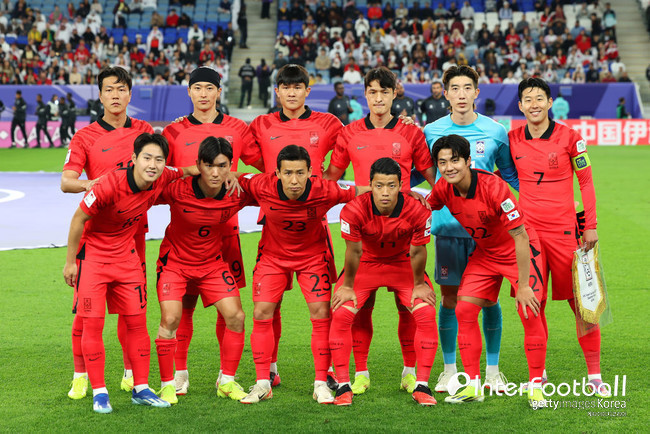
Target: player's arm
{"x": 420, "y": 289}
{"x": 70, "y": 182}
{"x": 190, "y": 170}
{"x": 345, "y": 292}
{"x": 333, "y": 172}
{"x": 79, "y": 219}
{"x": 582, "y": 167}
{"x": 259, "y": 164}
{"x": 525, "y": 295}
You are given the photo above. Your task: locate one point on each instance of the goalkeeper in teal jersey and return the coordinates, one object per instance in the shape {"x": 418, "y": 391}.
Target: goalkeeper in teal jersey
{"x": 489, "y": 147}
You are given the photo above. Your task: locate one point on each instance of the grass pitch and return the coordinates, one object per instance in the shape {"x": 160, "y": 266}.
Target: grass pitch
{"x": 36, "y": 359}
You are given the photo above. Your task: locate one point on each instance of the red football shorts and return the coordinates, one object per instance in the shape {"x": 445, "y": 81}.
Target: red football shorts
{"x": 120, "y": 286}
{"x": 395, "y": 276}
{"x": 213, "y": 283}
{"x": 557, "y": 258}
{"x": 272, "y": 277}
{"x": 482, "y": 277}
{"x": 231, "y": 253}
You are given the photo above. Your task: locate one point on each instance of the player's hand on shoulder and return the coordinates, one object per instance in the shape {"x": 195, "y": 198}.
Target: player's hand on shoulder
{"x": 70, "y": 273}
{"x": 90, "y": 183}
{"x": 406, "y": 120}
{"x": 526, "y": 298}
{"x": 232, "y": 184}
{"x": 342, "y": 295}
{"x": 422, "y": 199}
{"x": 424, "y": 293}
{"x": 179, "y": 119}
{"x": 589, "y": 239}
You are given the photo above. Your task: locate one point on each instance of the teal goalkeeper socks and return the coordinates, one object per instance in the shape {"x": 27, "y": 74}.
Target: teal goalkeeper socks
{"x": 448, "y": 328}
{"x": 492, "y": 326}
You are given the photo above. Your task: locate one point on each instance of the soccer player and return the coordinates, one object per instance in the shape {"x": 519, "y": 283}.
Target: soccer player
{"x": 43, "y": 112}
{"x": 385, "y": 233}
{"x": 293, "y": 240}
{"x": 295, "y": 123}
{"x": 547, "y": 155}
{"x": 191, "y": 258}
{"x": 100, "y": 148}
{"x": 378, "y": 135}
{"x": 489, "y": 146}
{"x": 104, "y": 268}
{"x": 184, "y": 137}
{"x": 506, "y": 247}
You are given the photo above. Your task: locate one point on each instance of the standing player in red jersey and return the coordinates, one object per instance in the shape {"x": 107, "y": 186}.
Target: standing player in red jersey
{"x": 104, "y": 268}
{"x": 386, "y": 233}
{"x": 184, "y": 138}
{"x": 506, "y": 246}
{"x": 547, "y": 154}
{"x": 293, "y": 240}
{"x": 296, "y": 123}
{"x": 100, "y": 148}
{"x": 191, "y": 258}
{"x": 378, "y": 135}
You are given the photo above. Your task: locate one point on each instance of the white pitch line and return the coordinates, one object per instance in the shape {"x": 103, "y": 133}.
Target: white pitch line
{"x": 11, "y": 195}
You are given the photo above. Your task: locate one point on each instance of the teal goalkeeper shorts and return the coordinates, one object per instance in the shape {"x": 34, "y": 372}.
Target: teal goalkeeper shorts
{"x": 452, "y": 255}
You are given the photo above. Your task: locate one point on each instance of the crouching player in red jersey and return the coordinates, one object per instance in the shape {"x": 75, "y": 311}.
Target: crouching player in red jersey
{"x": 104, "y": 268}
{"x": 191, "y": 258}
{"x": 293, "y": 240}
{"x": 385, "y": 232}
{"x": 506, "y": 246}
{"x": 547, "y": 155}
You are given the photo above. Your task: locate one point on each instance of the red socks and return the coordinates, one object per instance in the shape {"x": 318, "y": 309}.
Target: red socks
{"x": 469, "y": 338}
{"x": 92, "y": 345}
{"x": 139, "y": 347}
{"x": 166, "y": 348}
{"x": 277, "y": 333}
{"x": 221, "y": 330}
{"x": 534, "y": 342}
{"x": 320, "y": 347}
{"x": 231, "y": 347}
{"x": 122, "y": 337}
{"x": 362, "y": 336}
{"x": 262, "y": 346}
{"x": 406, "y": 333}
{"x": 590, "y": 344}
{"x": 341, "y": 343}
{"x": 426, "y": 340}
{"x": 77, "y": 352}
{"x": 184, "y": 337}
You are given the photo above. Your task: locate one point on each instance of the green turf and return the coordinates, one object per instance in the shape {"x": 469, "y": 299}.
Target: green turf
{"x": 36, "y": 361}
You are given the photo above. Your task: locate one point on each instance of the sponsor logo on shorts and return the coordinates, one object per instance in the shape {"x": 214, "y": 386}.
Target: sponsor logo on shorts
{"x": 166, "y": 290}
{"x": 513, "y": 215}
{"x": 90, "y": 199}
{"x": 345, "y": 227}
{"x": 444, "y": 272}
{"x": 581, "y": 146}
{"x": 507, "y": 205}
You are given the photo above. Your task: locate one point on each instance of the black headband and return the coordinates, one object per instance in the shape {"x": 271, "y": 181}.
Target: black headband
{"x": 206, "y": 74}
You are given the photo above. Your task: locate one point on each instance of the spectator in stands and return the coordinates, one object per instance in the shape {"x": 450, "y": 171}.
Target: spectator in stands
{"x": 121, "y": 10}
{"x": 609, "y": 19}
{"x": 592, "y": 75}
{"x": 510, "y": 78}
{"x": 467, "y": 11}
{"x": 624, "y": 78}
{"x": 297, "y": 12}
{"x": 550, "y": 75}
{"x": 266, "y": 10}
{"x": 352, "y": 72}
{"x": 505, "y": 13}
{"x": 401, "y": 12}
{"x": 172, "y": 18}
{"x": 617, "y": 67}
{"x": 195, "y": 33}
{"x": 490, "y": 6}
{"x": 136, "y": 7}
{"x": 336, "y": 67}
{"x": 440, "y": 13}
{"x": 323, "y": 63}
{"x": 242, "y": 22}
{"x": 607, "y": 77}
{"x": 225, "y": 6}
{"x": 184, "y": 21}
{"x": 154, "y": 41}
{"x": 596, "y": 27}
{"x": 621, "y": 110}
{"x": 361, "y": 25}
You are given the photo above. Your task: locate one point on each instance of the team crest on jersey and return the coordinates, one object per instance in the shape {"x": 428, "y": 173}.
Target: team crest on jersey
{"x": 482, "y": 215}
{"x": 88, "y": 304}
{"x": 397, "y": 149}
{"x": 313, "y": 139}
{"x": 581, "y": 146}
{"x": 225, "y": 215}
{"x": 90, "y": 199}
{"x": 401, "y": 232}
{"x": 513, "y": 215}
{"x": 480, "y": 148}
{"x": 507, "y": 205}
{"x": 553, "y": 161}
{"x": 229, "y": 138}
{"x": 444, "y": 272}
{"x": 311, "y": 213}
{"x": 345, "y": 227}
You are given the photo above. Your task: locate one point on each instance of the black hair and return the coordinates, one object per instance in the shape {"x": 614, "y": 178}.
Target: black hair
{"x": 120, "y": 73}
{"x": 145, "y": 139}
{"x": 292, "y": 74}
{"x": 385, "y": 166}
{"x": 458, "y": 144}
{"x": 533, "y": 82}
{"x": 211, "y": 147}
{"x": 293, "y": 153}
{"x": 460, "y": 71}
{"x": 383, "y": 75}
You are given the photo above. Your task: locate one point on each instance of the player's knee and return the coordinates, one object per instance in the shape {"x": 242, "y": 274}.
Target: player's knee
{"x": 449, "y": 301}
{"x": 319, "y": 310}
{"x": 262, "y": 313}
{"x": 170, "y": 321}
{"x": 235, "y": 321}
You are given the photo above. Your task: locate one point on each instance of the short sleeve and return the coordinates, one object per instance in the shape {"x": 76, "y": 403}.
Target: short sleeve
{"x": 507, "y": 207}
{"x": 97, "y": 198}
{"x": 436, "y": 198}
{"x": 75, "y": 159}
{"x": 422, "y": 230}
{"x": 421, "y": 155}
{"x": 350, "y": 225}
{"x": 340, "y": 156}
{"x": 252, "y": 149}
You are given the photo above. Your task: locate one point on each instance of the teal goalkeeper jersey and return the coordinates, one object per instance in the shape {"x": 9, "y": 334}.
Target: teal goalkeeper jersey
{"x": 489, "y": 146}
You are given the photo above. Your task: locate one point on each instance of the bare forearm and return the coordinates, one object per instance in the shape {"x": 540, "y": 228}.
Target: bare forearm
{"x": 430, "y": 175}
{"x": 70, "y": 183}
{"x": 418, "y": 263}
{"x": 522, "y": 252}
{"x": 74, "y": 237}
{"x": 352, "y": 260}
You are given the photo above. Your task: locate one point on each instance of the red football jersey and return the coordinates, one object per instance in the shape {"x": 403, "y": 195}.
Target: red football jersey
{"x": 99, "y": 148}
{"x": 293, "y": 229}
{"x": 488, "y": 212}
{"x": 185, "y": 137}
{"x": 198, "y": 223}
{"x": 363, "y": 144}
{"x": 545, "y": 167}
{"x": 315, "y": 131}
{"x": 386, "y": 238}
{"x": 116, "y": 206}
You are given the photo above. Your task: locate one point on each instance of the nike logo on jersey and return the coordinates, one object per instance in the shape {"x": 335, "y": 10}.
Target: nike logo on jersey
{"x": 520, "y": 157}
{"x": 106, "y": 150}
{"x": 361, "y": 147}
{"x": 187, "y": 211}
{"x": 189, "y": 143}
{"x": 275, "y": 137}
{"x": 121, "y": 211}
{"x": 275, "y": 209}
{"x": 454, "y": 213}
